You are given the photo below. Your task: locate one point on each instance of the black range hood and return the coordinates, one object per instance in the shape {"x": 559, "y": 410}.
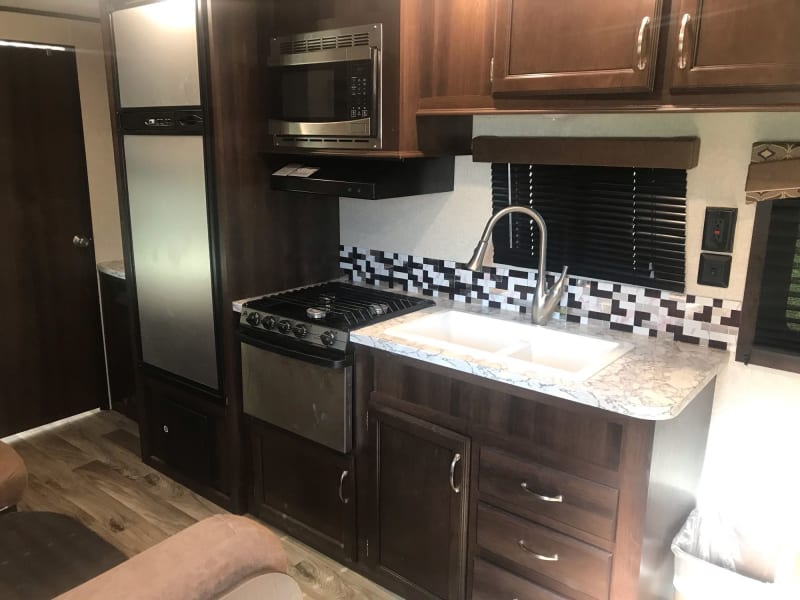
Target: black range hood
{"x": 368, "y": 179}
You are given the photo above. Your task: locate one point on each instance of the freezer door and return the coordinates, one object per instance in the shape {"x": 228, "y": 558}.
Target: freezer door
{"x": 156, "y": 52}
{"x": 171, "y": 254}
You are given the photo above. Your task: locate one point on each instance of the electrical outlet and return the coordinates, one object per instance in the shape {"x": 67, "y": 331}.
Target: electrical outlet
{"x": 715, "y": 269}
{"x": 718, "y": 229}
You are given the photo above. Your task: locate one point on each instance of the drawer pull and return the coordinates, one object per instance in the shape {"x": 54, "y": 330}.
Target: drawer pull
{"x": 453, "y": 464}
{"x": 341, "y": 484}
{"x": 541, "y": 497}
{"x": 552, "y": 558}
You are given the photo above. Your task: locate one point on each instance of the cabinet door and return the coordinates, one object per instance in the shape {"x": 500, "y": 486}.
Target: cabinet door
{"x": 304, "y": 488}
{"x": 457, "y": 45}
{"x": 418, "y": 499}
{"x": 719, "y": 44}
{"x": 574, "y": 46}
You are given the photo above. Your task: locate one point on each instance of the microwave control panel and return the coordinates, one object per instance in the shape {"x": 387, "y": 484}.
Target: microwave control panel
{"x": 359, "y": 89}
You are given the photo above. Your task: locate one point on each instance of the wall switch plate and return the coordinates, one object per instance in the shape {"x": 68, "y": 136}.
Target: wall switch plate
{"x": 718, "y": 229}
{"x": 715, "y": 269}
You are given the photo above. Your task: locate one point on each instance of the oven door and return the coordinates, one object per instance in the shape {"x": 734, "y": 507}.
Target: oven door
{"x": 327, "y": 93}
{"x": 307, "y": 394}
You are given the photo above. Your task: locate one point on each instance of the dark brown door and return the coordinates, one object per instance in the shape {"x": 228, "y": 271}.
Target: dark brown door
{"x": 51, "y": 359}
{"x": 419, "y": 483}
{"x": 575, "y": 46}
{"x": 735, "y": 44}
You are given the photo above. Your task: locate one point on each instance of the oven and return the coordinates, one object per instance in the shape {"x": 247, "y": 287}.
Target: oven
{"x": 327, "y": 88}
{"x": 308, "y": 391}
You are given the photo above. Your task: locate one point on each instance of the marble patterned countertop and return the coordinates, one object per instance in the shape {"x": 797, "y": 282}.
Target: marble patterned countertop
{"x": 115, "y": 268}
{"x": 655, "y": 380}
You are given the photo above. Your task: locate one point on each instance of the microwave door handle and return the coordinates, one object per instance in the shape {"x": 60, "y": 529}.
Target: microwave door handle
{"x": 359, "y": 127}
{"x": 321, "y": 56}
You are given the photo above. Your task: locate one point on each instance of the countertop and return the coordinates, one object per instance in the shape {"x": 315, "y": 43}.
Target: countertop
{"x": 655, "y": 380}
{"x": 115, "y": 268}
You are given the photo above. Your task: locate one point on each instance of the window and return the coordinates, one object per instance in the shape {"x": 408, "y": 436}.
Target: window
{"x": 770, "y": 330}
{"x": 617, "y": 223}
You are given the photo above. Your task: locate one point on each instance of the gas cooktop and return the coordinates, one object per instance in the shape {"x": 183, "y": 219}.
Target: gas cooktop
{"x": 323, "y": 315}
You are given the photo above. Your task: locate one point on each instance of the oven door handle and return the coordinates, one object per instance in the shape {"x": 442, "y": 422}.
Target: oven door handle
{"x": 315, "y": 359}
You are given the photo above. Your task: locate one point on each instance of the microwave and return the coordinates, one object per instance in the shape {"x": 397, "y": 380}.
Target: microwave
{"x": 326, "y": 88}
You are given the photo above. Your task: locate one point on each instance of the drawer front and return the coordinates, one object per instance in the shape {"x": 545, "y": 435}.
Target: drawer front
{"x": 540, "y": 550}
{"x": 494, "y": 583}
{"x": 530, "y": 489}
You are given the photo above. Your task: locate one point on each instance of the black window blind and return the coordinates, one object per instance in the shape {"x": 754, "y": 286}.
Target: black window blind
{"x": 778, "y": 321}
{"x": 616, "y": 223}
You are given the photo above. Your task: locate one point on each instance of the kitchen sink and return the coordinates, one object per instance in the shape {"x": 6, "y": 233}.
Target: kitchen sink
{"x": 557, "y": 353}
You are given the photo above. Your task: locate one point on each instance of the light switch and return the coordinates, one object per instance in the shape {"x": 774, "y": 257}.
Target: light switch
{"x": 715, "y": 269}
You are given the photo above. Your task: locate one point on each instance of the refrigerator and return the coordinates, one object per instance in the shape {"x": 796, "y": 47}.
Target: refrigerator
{"x": 161, "y": 121}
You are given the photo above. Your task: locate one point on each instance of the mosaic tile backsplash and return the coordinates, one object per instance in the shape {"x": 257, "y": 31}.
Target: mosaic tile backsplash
{"x": 686, "y": 318}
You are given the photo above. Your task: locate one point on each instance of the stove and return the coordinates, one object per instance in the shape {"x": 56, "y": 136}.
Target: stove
{"x": 323, "y": 315}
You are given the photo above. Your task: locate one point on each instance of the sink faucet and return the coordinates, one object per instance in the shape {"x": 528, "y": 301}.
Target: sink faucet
{"x": 544, "y": 301}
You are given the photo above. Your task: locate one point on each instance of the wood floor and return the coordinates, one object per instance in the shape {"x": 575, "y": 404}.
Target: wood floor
{"x": 89, "y": 468}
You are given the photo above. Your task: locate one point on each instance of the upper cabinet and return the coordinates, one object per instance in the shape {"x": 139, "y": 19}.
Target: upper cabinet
{"x": 735, "y": 44}
{"x": 573, "y": 46}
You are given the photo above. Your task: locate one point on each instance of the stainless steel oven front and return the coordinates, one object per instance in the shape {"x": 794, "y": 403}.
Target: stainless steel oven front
{"x": 306, "y": 392}
{"x": 327, "y": 88}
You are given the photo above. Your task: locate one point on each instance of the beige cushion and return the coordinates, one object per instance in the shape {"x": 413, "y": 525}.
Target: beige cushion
{"x": 205, "y": 561}
{"x": 13, "y": 476}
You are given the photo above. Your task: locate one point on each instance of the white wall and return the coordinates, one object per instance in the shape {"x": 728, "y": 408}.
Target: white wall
{"x": 751, "y": 463}
{"x": 85, "y": 37}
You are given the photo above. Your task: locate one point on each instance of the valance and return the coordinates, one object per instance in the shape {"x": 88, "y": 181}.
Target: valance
{"x": 774, "y": 171}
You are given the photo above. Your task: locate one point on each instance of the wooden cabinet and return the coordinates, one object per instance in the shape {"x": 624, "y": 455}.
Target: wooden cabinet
{"x": 456, "y": 38}
{"x": 547, "y": 479}
{"x": 419, "y": 486}
{"x": 575, "y": 46}
{"x": 304, "y": 488}
{"x": 735, "y": 44}
{"x": 118, "y": 344}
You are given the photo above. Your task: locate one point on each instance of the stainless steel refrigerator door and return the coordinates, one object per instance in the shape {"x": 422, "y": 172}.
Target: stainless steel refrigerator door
{"x": 171, "y": 254}
{"x": 156, "y": 52}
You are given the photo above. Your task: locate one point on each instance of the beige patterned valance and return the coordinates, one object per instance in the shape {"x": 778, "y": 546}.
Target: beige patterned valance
{"x": 774, "y": 171}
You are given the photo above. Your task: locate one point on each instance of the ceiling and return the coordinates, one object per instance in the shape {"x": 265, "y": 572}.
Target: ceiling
{"x": 83, "y": 8}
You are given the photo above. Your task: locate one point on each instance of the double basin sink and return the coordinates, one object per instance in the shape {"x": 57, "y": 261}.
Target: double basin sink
{"x": 517, "y": 345}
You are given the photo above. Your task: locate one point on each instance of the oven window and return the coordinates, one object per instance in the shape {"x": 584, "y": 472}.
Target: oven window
{"x": 310, "y": 94}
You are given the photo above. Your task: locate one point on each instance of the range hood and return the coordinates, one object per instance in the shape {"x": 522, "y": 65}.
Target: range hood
{"x": 368, "y": 179}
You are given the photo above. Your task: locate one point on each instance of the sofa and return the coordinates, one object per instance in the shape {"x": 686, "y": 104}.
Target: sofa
{"x": 224, "y": 557}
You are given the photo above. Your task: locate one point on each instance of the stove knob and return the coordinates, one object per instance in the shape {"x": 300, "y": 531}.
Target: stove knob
{"x": 253, "y": 318}
{"x": 328, "y": 338}
{"x": 284, "y": 326}
{"x": 269, "y": 322}
{"x": 300, "y": 330}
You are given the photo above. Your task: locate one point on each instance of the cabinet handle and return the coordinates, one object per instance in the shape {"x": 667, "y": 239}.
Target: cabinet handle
{"x": 341, "y": 485}
{"x": 544, "y": 557}
{"x": 455, "y": 460}
{"x": 541, "y": 497}
{"x": 683, "y": 52}
{"x": 641, "y": 63}
{"x": 165, "y": 428}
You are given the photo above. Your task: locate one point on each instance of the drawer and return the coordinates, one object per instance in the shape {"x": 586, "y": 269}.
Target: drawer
{"x": 529, "y": 489}
{"x": 542, "y": 551}
{"x": 494, "y": 583}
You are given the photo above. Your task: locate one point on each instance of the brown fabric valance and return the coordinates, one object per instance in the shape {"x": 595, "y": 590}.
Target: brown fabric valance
{"x": 774, "y": 171}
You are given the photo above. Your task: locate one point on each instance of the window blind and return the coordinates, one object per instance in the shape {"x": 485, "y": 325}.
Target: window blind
{"x": 617, "y": 223}
{"x": 778, "y": 321}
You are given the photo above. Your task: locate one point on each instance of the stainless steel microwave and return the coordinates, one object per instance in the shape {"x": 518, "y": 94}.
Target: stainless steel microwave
{"x": 327, "y": 88}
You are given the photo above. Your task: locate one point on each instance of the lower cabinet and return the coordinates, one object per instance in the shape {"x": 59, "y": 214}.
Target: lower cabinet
{"x": 418, "y": 505}
{"x": 304, "y": 488}
{"x": 180, "y": 435}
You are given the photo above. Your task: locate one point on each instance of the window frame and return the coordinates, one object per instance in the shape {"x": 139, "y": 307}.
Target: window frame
{"x": 746, "y": 350}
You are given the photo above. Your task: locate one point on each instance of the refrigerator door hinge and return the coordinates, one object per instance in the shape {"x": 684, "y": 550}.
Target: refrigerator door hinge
{"x": 491, "y": 70}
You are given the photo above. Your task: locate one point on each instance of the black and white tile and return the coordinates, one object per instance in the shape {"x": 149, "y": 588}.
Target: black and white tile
{"x": 684, "y": 317}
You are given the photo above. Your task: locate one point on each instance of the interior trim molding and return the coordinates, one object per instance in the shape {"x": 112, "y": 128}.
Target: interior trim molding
{"x": 659, "y": 153}
{"x": 48, "y": 13}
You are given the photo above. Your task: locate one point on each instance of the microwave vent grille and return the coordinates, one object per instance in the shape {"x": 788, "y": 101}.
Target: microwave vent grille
{"x": 329, "y": 42}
